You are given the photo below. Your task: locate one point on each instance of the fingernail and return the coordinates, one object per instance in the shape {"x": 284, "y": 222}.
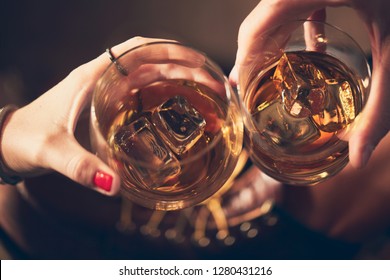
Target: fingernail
{"x": 102, "y": 181}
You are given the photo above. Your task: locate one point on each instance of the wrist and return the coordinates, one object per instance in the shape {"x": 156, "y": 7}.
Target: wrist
{"x": 6, "y": 175}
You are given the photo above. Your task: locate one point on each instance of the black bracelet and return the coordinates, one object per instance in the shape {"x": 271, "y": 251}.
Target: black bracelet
{"x": 4, "y": 177}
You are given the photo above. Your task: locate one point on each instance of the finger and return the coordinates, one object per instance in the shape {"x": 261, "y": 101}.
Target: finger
{"x": 266, "y": 15}
{"x": 81, "y": 166}
{"x": 263, "y": 35}
{"x": 269, "y": 14}
{"x": 153, "y": 61}
{"x": 103, "y": 61}
{"x": 154, "y": 52}
{"x": 374, "y": 122}
{"x": 146, "y": 74}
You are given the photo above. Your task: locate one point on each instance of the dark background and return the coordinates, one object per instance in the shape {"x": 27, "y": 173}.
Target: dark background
{"x": 42, "y": 41}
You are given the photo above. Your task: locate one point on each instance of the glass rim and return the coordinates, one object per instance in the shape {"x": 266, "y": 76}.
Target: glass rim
{"x": 335, "y": 27}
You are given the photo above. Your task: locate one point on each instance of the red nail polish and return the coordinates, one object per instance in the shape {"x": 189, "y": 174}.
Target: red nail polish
{"x": 102, "y": 181}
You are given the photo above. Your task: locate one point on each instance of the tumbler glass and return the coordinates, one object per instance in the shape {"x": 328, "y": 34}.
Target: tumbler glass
{"x": 301, "y": 95}
{"x": 165, "y": 118}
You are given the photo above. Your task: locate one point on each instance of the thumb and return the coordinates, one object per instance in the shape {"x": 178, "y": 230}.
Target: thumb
{"x": 82, "y": 166}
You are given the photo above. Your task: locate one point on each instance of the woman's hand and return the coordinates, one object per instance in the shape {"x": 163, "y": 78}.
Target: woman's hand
{"x": 41, "y": 136}
{"x": 374, "y": 122}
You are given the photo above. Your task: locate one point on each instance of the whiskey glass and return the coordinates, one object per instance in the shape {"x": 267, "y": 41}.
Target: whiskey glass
{"x": 301, "y": 94}
{"x": 166, "y": 119}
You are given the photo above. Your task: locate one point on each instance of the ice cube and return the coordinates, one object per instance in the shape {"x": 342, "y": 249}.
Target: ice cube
{"x": 339, "y": 108}
{"x": 151, "y": 162}
{"x": 300, "y": 84}
{"x": 179, "y": 124}
{"x": 283, "y": 130}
